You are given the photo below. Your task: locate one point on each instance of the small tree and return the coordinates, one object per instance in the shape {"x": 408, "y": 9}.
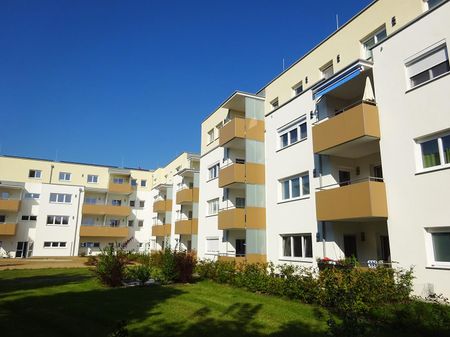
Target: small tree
{"x": 110, "y": 268}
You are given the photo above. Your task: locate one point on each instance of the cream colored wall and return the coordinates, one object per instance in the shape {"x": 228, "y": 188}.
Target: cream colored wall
{"x": 164, "y": 175}
{"x": 17, "y": 169}
{"x": 209, "y": 123}
{"x": 345, "y": 43}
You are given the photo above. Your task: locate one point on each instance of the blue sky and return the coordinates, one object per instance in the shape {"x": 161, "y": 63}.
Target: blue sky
{"x": 112, "y": 82}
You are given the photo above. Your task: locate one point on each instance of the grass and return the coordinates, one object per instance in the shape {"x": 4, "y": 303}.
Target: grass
{"x": 70, "y": 302}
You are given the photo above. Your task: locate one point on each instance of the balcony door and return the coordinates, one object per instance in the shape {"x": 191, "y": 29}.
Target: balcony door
{"x": 385, "y": 250}
{"x": 240, "y": 247}
{"x": 344, "y": 177}
{"x": 350, "y": 246}
{"x": 22, "y": 248}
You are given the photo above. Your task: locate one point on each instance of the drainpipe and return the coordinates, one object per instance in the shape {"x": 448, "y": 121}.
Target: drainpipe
{"x": 324, "y": 247}
{"x": 51, "y": 173}
{"x": 76, "y": 223}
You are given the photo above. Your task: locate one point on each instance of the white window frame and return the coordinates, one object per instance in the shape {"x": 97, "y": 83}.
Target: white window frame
{"x": 213, "y": 206}
{"x": 213, "y": 171}
{"x": 211, "y": 136}
{"x": 65, "y": 176}
{"x": 119, "y": 180}
{"x": 375, "y": 35}
{"x": 140, "y": 223}
{"x": 37, "y": 174}
{"x": 296, "y": 87}
{"x": 55, "y": 244}
{"x": 143, "y": 183}
{"x": 275, "y": 103}
{"x": 32, "y": 196}
{"x": 141, "y": 203}
{"x": 303, "y": 253}
{"x": 63, "y": 218}
{"x": 116, "y": 202}
{"x": 296, "y": 124}
{"x": 92, "y": 179}
{"x": 419, "y": 159}
{"x": 435, "y": 5}
{"x": 424, "y": 54}
{"x": 64, "y": 196}
{"x": 90, "y": 200}
{"x": 432, "y": 263}
{"x": 290, "y": 180}
{"x": 324, "y": 68}
{"x": 209, "y": 240}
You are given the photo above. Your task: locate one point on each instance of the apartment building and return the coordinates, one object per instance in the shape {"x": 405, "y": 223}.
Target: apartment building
{"x": 175, "y": 204}
{"x": 50, "y": 208}
{"x": 332, "y": 186}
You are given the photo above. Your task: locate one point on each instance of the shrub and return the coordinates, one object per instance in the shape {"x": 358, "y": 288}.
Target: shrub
{"x": 110, "y": 267}
{"x": 185, "y": 265}
{"x": 140, "y": 273}
{"x": 91, "y": 261}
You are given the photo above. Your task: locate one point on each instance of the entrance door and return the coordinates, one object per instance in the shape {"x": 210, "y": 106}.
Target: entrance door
{"x": 385, "y": 250}
{"x": 350, "y": 246}
{"x": 344, "y": 178}
{"x": 22, "y": 247}
{"x": 240, "y": 247}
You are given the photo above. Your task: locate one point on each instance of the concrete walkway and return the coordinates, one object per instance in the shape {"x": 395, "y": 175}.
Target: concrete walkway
{"x": 43, "y": 262}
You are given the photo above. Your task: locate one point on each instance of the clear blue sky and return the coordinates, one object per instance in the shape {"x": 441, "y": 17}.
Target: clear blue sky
{"x": 103, "y": 81}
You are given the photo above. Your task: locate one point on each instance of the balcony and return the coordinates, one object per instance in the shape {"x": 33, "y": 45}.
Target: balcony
{"x": 8, "y": 229}
{"x": 186, "y": 227}
{"x": 106, "y": 210}
{"x": 352, "y": 133}
{"x": 187, "y": 195}
{"x": 9, "y": 205}
{"x": 247, "y": 258}
{"x": 103, "y": 231}
{"x": 360, "y": 200}
{"x": 161, "y": 230}
{"x": 124, "y": 188}
{"x": 241, "y": 128}
{"x": 162, "y": 206}
{"x": 249, "y": 173}
{"x": 242, "y": 218}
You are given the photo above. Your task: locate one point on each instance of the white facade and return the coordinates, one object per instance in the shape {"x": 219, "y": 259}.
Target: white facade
{"x": 417, "y": 196}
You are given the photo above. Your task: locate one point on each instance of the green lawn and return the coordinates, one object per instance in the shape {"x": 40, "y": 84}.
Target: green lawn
{"x": 70, "y": 302}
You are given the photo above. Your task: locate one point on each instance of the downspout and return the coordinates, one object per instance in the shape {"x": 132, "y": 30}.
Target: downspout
{"x": 76, "y": 223}
{"x": 51, "y": 173}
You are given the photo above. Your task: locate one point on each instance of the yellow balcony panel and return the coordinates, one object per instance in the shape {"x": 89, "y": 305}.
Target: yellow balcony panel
{"x": 249, "y": 173}
{"x": 104, "y": 231}
{"x": 161, "y": 230}
{"x": 106, "y": 210}
{"x": 357, "y": 201}
{"x": 241, "y": 128}
{"x": 162, "y": 206}
{"x": 352, "y": 134}
{"x": 233, "y": 218}
{"x": 9, "y": 205}
{"x": 187, "y": 195}
{"x": 124, "y": 188}
{"x": 8, "y": 229}
{"x": 186, "y": 227}
{"x": 248, "y": 258}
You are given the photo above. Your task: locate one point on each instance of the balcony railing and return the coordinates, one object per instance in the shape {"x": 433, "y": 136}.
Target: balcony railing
{"x": 236, "y": 173}
{"x": 9, "y": 205}
{"x": 242, "y": 128}
{"x": 351, "y": 200}
{"x": 242, "y": 218}
{"x": 8, "y": 229}
{"x": 186, "y": 226}
{"x": 94, "y": 209}
{"x": 162, "y": 206}
{"x": 104, "y": 231}
{"x": 187, "y": 195}
{"x": 120, "y": 188}
{"x": 162, "y": 230}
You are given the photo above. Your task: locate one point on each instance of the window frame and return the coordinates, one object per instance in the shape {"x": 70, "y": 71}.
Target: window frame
{"x": 419, "y": 156}
{"x": 211, "y": 136}
{"x": 62, "y": 176}
{"x": 55, "y": 217}
{"x": 295, "y": 88}
{"x": 374, "y": 35}
{"x": 290, "y": 179}
{"x": 431, "y": 262}
{"x": 215, "y": 168}
{"x": 34, "y": 176}
{"x": 32, "y": 196}
{"x": 92, "y": 181}
{"x": 286, "y": 130}
{"x": 211, "y": 207}
{"x": 291, "y": 237}
{"x": 143, "y": 182}
{"x": 65, "y": 195}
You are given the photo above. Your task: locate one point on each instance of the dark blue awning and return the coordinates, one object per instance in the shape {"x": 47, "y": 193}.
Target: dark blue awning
{"x": 337, "y": 81}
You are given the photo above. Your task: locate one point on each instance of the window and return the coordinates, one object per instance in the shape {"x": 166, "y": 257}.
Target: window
{"x": 132, "y": 203}
{"x": 327, "y": 70}
{"x": 274, "y": 103}
{"x": 119, "y": 181}
{"x": 297, "y": 245}
{"x": 439, "y": 246}
{"x": 130, "y": 223}
{"x": 240, "y": 202}
{"x": 32, "y": 195}
{"x": 140, "y": 223}
{"x": 60, "y": 198}
{"x": 213, "y": 206}
{"x": 211, "y": 136}
{"x": 141, "y": 203}
{"x": 57, "y": 220}
{"x": 371, "y": 41}
{"x": 116, "y": 202}
{"x": 428, "y": 66}
{"x": 212, "y": 245}
{"x": 143, "y": 183}
{"x": 2, "y": 218}
{"x": 90, "y": 244}
{"x": 36, "y": 174}
{"x": 64, "y": 176}
{"x": 295, "y": 187}
{"x": 90, "y": 200}
{"x": 433, "y": 3}
{"x": 435, "y": 152}
{"x": 133, "y": 182}
{"x": 88, "y": 221}
{"x": 29, "y": 217}
{"x": 294, "y": 133}
{"x": 114, "y": 222}
{"x": 297, "y": 89}
{"x": 4, "y": 196}
{"x": 213, "y": 171}
{"x": 92, "y": 179}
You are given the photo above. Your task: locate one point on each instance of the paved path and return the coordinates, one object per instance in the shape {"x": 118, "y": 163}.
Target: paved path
{"x": 43, "y": 262}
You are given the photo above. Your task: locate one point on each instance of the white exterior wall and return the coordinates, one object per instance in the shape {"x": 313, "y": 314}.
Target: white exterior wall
{"x": 415, "y": 201}
{"x": 296, "y": 216}
{"x": 209, "y": 189}
{"x": 141, "y": 241}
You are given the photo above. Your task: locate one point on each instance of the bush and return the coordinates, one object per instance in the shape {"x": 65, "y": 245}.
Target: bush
{"x": 91, "y": 261}
{"x": 110, "y": 268}
{"x": 185, "y": 265}
{"x": 139, "y": 273}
